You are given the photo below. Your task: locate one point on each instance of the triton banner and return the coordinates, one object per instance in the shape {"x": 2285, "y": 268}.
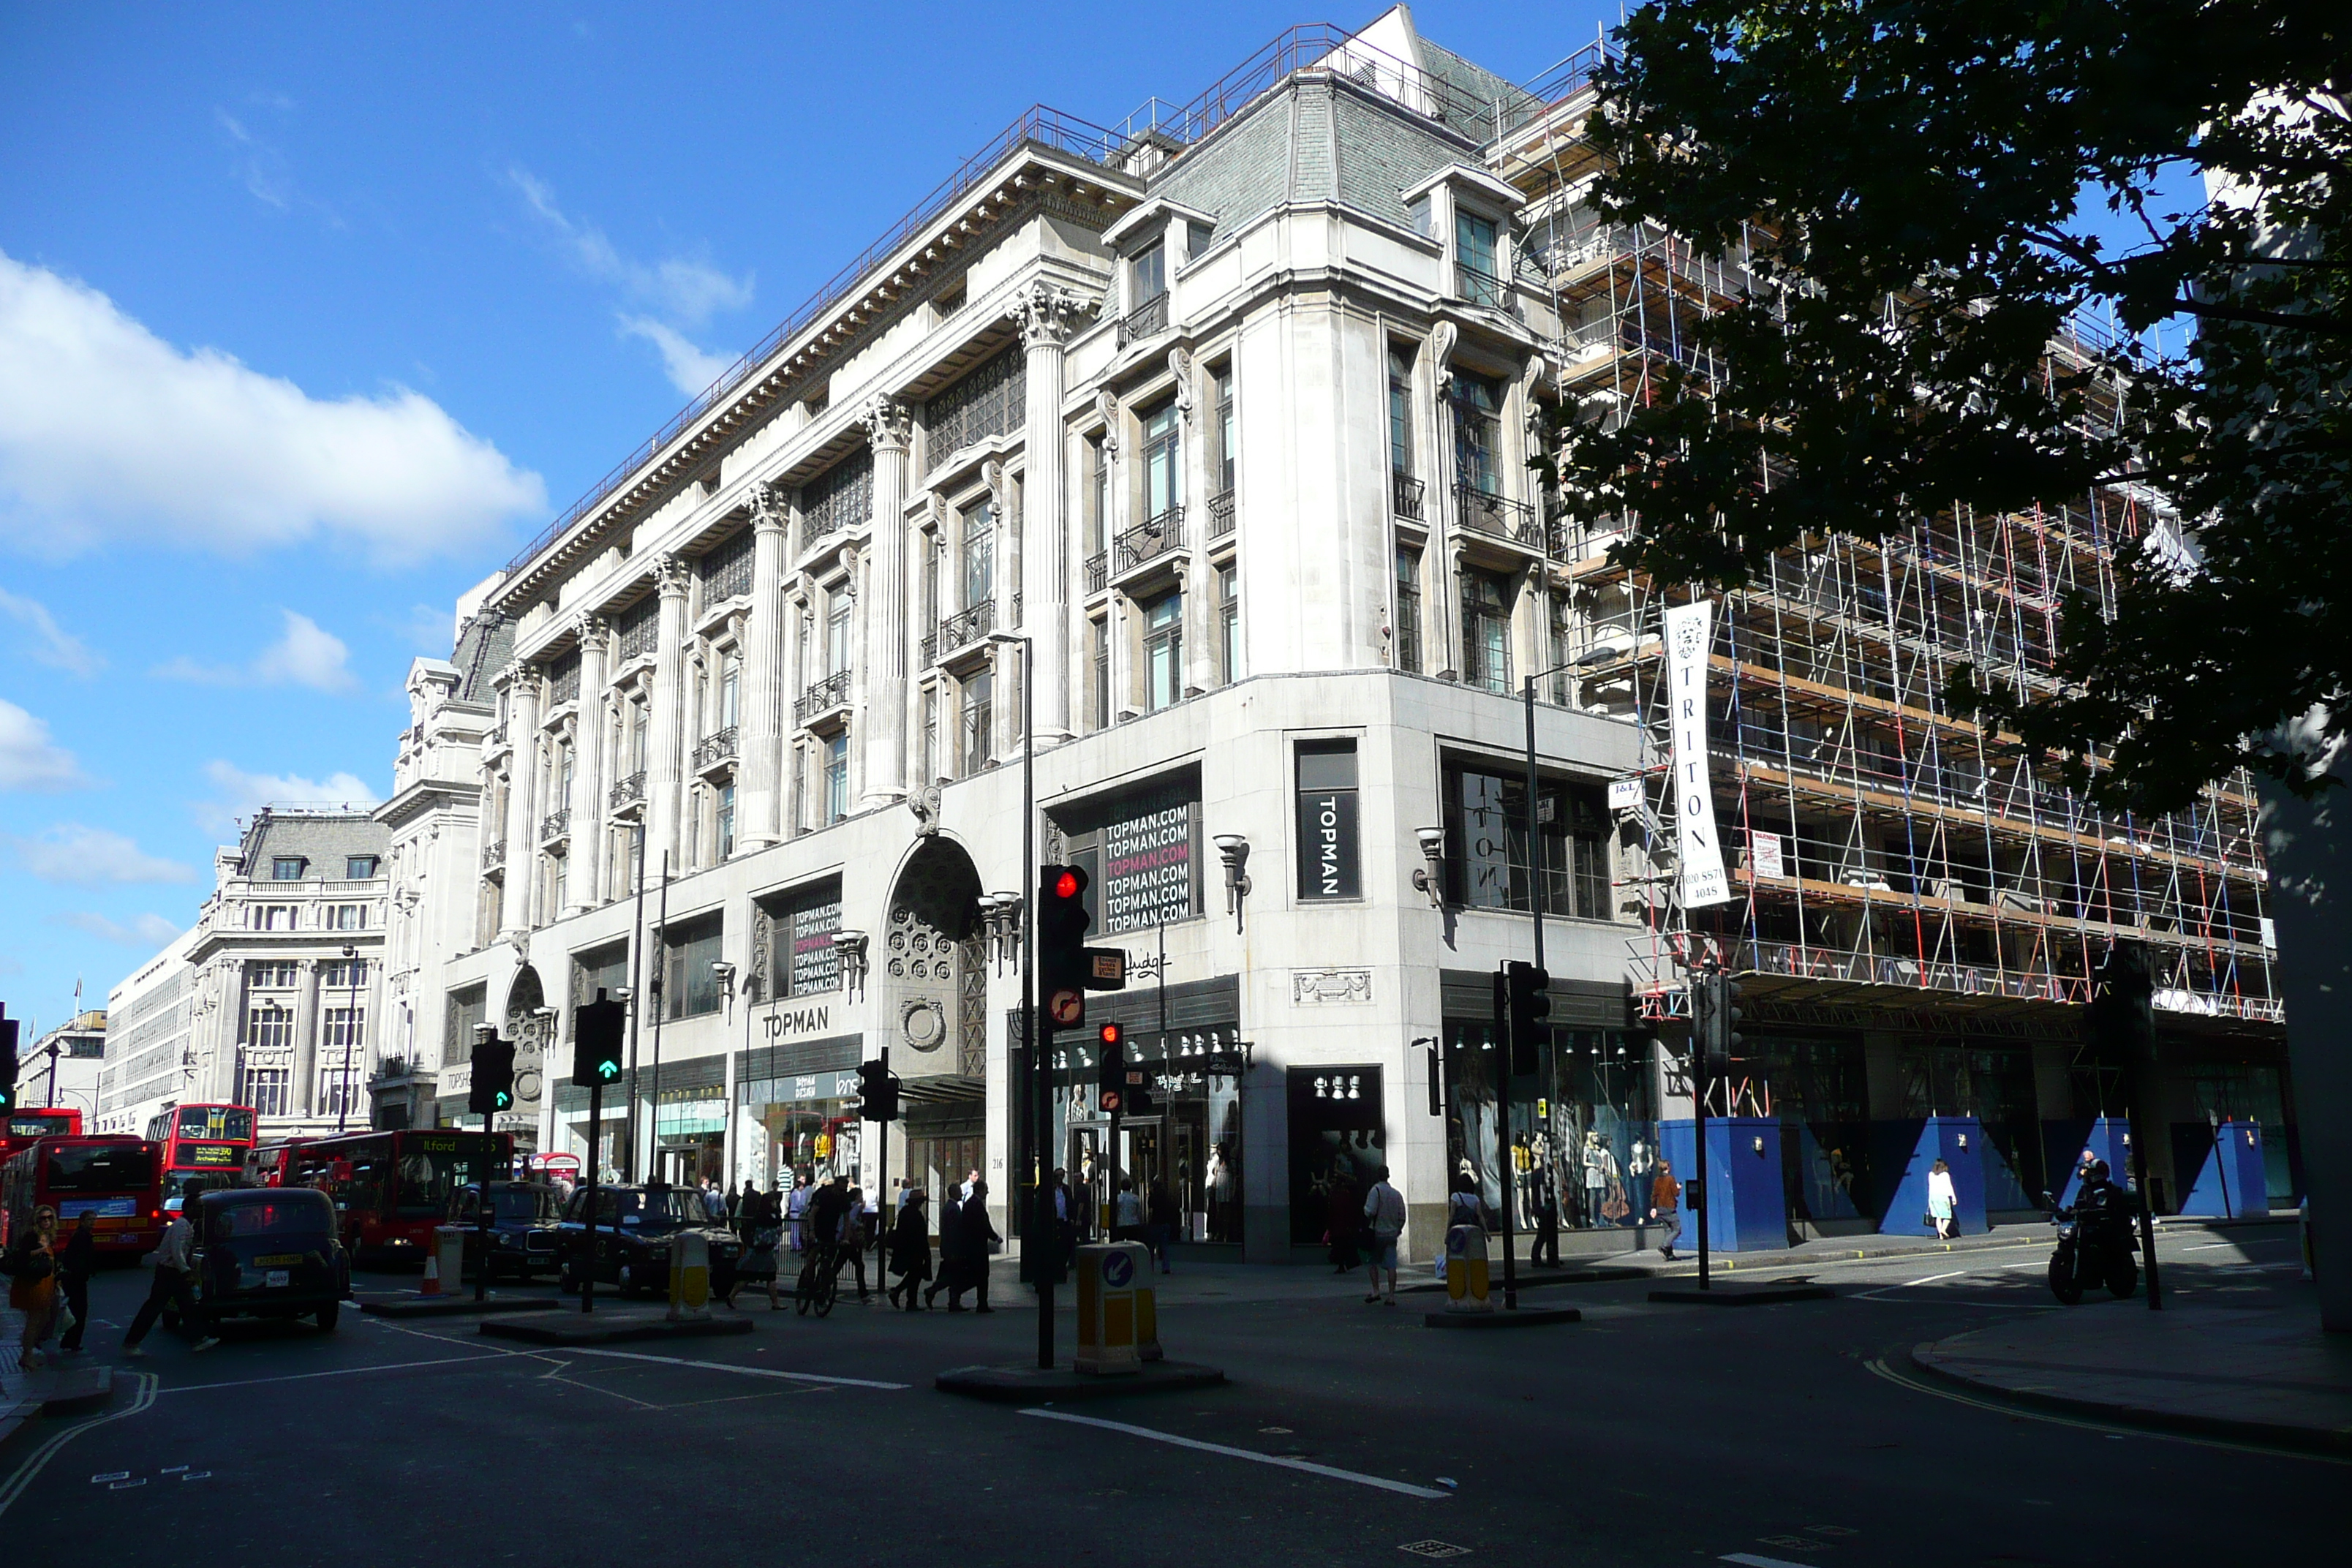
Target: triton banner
{"x": 1690, "y": 632}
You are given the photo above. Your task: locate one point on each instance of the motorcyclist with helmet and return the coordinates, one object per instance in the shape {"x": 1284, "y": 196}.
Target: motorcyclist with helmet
{"x": 2094, "y": 1237}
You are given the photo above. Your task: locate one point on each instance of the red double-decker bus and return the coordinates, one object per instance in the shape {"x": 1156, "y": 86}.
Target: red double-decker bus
{"x": 269, "y": 1164}
{"x": 203, "y": 1146}
{"x": 392, "y": 1188}
{"x": 118, "y": 1182}
{"x": 46, "y": 1121}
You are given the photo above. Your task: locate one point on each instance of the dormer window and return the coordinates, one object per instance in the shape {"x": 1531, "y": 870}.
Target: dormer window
{"x": 286, "y": 869}
{"x": 1148, "y": 276}
{"x": 1477, "y": 270}
{"x": 359, "y": 868}
{"x": 1416, "y": 214}
{"x": 1198, "y": 237}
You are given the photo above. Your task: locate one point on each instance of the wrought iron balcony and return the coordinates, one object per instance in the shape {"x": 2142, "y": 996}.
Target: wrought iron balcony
{"x": 1097, "y": 570}
{"x": 1480, "y": 287}
{"x": 1406, "y": 492}
{"x": 826, "y": 695}
{"x": 1151, "y": 539}
{"x": 715, "y": 748}
{"x": 960, "y": 630}
{"x": 629, "y": 790}
{"x": 1144, "y": 321}
{"x": 494, "y": 854}
{"x": 1498, "y": 516}
{"x": 554, "y": 825}
{"x": 1220, "y": 514}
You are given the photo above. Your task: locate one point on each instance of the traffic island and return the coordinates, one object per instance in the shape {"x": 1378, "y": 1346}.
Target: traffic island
{"x": 1525, "y": 1318}
{"x": 1041, "y": 1385}
{"x": 606, "y": 1328}
{"x": 1606, "y": 1274}
{"x": 1742, "y": 1295}
{"x": 418, "y": 1306}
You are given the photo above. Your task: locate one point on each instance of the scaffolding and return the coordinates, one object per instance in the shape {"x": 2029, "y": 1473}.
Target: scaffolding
{"x": 1886, "y": 849}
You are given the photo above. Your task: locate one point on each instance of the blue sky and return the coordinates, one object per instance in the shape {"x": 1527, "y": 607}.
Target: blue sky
{"x": 309, "y": 314}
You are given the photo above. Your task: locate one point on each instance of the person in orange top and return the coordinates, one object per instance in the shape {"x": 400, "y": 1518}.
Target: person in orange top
{"x": 1665, "y": 1206}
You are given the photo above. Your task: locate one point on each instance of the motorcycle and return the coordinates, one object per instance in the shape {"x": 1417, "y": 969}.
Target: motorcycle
{"x": 2096, "y": 1246}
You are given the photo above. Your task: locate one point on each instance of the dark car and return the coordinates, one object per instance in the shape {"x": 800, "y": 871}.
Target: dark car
{"x": 523, "y": 1221}
{"x": 270, "y": 1252}
{"x": 635, "y": 1228}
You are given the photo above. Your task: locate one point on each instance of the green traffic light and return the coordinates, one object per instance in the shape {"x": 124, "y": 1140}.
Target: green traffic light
{"x": 608, "y": 1071}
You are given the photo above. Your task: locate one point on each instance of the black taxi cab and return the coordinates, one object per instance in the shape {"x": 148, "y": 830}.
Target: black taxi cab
{"x": 270, "y": 1252}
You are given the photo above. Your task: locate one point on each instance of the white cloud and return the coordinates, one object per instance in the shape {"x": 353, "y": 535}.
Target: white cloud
{"x": 109, "y": 433}
{"x": 149, "y": 932}
{"x": 87, "y": 857}
{"x": 28, "y": 758}
{"x": 54, "y": 645}
{"x": 259, "y": 167}
{"x": 243, "y": 793}
{"x": 687, "y": 289}
{"x": 307, "y": 655}
{"x": 691, "y": 370}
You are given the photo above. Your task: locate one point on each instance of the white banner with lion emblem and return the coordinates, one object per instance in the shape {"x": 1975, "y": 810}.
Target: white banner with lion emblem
{"x": 1690, "y": 632}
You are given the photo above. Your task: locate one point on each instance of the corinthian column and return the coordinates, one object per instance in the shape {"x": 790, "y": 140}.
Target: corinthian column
{"x": 522, "y": 804}
{"x": 584, "y": 889}
{"x": 762, "y": 735}
{"x": 1048, "y": 315}
{"x": 662, "y": 772}
{"x": 884, "y": 718}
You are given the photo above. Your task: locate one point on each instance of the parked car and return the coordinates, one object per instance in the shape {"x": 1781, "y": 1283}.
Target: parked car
{"x": 523, "y": 1221}
{"x": 270, "y": 1252}
{"x": 635, "y": 1226}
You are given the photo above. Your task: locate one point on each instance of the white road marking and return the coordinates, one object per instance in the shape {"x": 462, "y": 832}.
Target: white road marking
{"x": 738, "y": 1371}
{"x": 15, "y": 1486}
{"x": 1284, "y": 1461}
{"x": 348, "y": 1371}
{"x": 1752, "y": 1560}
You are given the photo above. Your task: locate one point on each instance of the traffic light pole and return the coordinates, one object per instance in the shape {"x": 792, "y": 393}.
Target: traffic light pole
{"x": 482, "y": 1215}
{"x": 1698, "y": 1127}
{"x": 588, "y": 1209}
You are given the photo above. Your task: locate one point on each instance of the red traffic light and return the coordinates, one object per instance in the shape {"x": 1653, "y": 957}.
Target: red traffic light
{"x": 1066, "y": 885}
{"x": 1112, "y": 1034}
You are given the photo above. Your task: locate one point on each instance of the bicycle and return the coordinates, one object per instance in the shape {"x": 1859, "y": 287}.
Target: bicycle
{"x": 818, "y": 1288}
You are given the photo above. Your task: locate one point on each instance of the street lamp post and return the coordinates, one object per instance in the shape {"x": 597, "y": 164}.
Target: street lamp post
{"x": 350, "y": 1032}
{"x": 1038, "y": 1244}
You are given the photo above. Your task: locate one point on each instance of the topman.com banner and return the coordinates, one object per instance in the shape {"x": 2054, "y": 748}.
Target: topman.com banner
{"x": 1690, "y": 632}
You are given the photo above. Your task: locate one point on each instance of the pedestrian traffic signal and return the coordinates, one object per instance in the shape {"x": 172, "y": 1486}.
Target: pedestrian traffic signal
{"x": 878, "y": 1090}
{"x": 598, "y": 1029}
{"x": 2123, "y": 1006}
{"x": 1530, "y": 1012}
{"x": 7, "y": 1062}
{"x": 1715, "y": 1019}
{"x": 492, "y": 1089}
{"x": 1061, "y": 925}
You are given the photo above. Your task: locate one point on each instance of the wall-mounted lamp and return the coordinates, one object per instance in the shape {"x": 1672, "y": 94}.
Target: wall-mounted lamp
{"x": 1964, "y": 1143}
{"x": 1431, "y": 877}
{"x": 620, "y": 994}
{"x": 1233, "y": 849}
{"x": 724, "y": 972}
{"x": 1000, "y": 915}
{"x": 1759, "y": 1145}
{"x": 850, "y": 945}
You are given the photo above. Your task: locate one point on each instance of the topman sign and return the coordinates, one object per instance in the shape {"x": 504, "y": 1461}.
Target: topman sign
{"x": 783, "y": 1022}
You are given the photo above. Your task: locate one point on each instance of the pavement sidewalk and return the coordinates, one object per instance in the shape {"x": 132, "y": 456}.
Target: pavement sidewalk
{"x": 51, "y": 1387}
{"x": 2262, "y": 1374}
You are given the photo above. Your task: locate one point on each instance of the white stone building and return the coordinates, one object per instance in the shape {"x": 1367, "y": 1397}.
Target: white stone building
{"x": 1230, "y": 420}
{"x": 266, "y": 1000}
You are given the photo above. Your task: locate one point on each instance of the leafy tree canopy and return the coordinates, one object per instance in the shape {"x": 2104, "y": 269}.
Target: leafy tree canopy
{"x": 1931, "y": 190}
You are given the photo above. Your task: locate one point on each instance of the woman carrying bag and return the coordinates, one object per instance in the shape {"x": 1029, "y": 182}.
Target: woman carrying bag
{"x": 32, "y": 1283}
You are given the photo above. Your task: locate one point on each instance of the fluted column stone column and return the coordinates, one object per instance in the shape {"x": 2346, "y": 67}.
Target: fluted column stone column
{"x": 515, "y": 913}
{"x": 663, "y": 772}
{"x": 762, "y": 742}
{"x": 883, "y": 720}
{"x": 1048, "y": 314}
{"x": 584, "y": 889}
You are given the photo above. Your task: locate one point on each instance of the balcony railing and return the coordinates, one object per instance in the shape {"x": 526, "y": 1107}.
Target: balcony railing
{"x": 1406, "y": 491}
{"x": 554, "y": 825}
{"x": 1498, "y": 516}
{"x": 1480, "y": 287}
{"x": 959, "y": 630}
{"x": 1220, "y": 514}
{"x": 494, "y": 854}
{"x": 715, "y": 748}
{"x": 629, "y": 790}
{"x": 1151, "y": 539}
{"x": 1097, "y": 570}
{"x": 1144, "y": 321}
{"x": 826, "y": 695}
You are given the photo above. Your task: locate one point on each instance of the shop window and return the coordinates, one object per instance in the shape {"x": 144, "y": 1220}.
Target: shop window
{"x": 605, "y": 969}
{"x": 689, "y": 989}
{"x": 1338, "y": 1142}
{"x": 1140, "y": 849}
{"x": 1487, "y": 863}
{"x": 804, "y": 960}
{"x": 1584, "y": 1126}
{"x": 1329, "y": 839}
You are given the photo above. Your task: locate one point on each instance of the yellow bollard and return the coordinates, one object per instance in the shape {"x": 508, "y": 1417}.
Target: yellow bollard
{"x": 690, "y": 1276}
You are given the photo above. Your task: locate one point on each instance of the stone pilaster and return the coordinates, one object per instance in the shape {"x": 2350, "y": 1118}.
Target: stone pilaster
{"x": 309, "y": 1035}
{"x": 761, "y": 740}
{"x": 515, "y": 912}
{"x": 584, "y": 888}
{"x": 1048, "y": 315}
{"x": 883, "y": 720}
{"x": 663, "y": 771}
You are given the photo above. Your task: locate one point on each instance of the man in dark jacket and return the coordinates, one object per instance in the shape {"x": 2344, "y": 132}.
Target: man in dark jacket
{"x": 910, "y": 1249}
{"x": 74, "y": 1269}
{"x": 950, "y": 1245}
{"x": 965, "y": 1268}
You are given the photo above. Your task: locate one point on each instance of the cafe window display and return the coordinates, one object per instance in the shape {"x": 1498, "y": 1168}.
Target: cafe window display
{"x": 1584, "y": 1125}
